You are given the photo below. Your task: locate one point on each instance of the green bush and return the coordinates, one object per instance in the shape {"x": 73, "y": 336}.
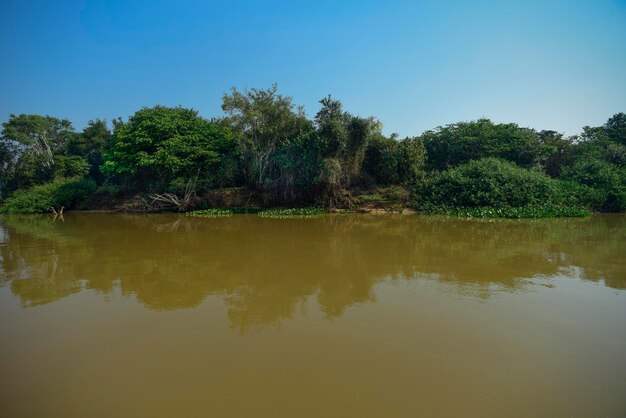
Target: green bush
{"x": 607, "y": 181}
{"x": 70, "y": 194}
{"x": 67, "y": 193}
{"x": 495, "y": 184}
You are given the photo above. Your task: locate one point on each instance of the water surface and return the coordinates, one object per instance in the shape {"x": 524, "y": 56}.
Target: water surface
{"x": 338, "y": 316}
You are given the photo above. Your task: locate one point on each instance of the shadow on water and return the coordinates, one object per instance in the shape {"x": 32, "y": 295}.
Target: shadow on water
{"x": 266, "y": 269}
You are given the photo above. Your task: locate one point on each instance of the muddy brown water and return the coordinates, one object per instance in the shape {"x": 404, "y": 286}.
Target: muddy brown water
{"x": 337, "y": 316}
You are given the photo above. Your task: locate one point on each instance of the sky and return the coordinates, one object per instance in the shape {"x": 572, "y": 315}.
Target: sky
{"x": 415, "y": 65}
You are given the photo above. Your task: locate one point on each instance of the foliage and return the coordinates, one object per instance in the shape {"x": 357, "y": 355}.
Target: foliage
{"x": 343, "y": 137}
{"x": 67, "y": 193}
{"x": 42, "y": 135}
{"x": 491, "y": 182}
{"x": 70, "y": 166}
{"x": 512, "y": 213}
{"x": 264, "y": 121}
{"x": 91, "y": 144}
{"x": 389, "y": 161}
{"x": 29, "y": 148}
{"x": 615, "y": 128}
{"x": 266, "y": 213}
{"x": 218, "y": 212}
{"x": 71, "y": 193}
{"x": 462, "y": 142}
{"x": 267, "y": 143}
{"x": 159, "y": 144}
{"x": 291, "y": 213}
{"x": 606, "y": 179}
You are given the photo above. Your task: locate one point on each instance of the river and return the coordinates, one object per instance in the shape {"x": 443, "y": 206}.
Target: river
{"x": 106, "y": 315}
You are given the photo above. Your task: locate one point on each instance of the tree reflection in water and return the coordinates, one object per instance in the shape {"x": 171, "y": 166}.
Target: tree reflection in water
{"x": 267, "y": 269}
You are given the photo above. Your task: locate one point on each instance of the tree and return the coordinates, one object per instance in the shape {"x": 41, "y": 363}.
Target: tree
{"x": 264, "y": 121}
{"x": 41, "y": 135}
{"x": 615, "y": 128}
{"x": 465, "y": 141}
{"x": 159, "y": 144}
{"x": 343, "y": 138}
{"x": 390, "y": 161}
{"x": 30, "y": 145}
{"x": 560, "y": 152}
{"x": 95, "y": 137}
{"x": 91, "y": 144}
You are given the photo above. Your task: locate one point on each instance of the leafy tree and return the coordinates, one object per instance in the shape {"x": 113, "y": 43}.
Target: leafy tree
{"x": 96, "y": 137}
{"x": 390, "y": 161}
{"x": 159, "y": 144}
{"x": 70, "y": 166}
{"x": 615, "y": 128}
{"x": 29, "y": 146}
{"x": 560, "y": 151}
{"x": 465, "y": 141}
{"x": 41, "y": 135}
{"x": 91, "y": 144}
{"x": 343, "y": 140}
{"x": 264, "y": 121}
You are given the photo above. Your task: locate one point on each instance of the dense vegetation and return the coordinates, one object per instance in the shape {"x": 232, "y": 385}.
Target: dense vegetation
{"x": 165, "y": 158}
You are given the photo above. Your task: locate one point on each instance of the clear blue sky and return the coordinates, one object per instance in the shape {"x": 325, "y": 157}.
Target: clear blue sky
{"x": 415, "y": 65}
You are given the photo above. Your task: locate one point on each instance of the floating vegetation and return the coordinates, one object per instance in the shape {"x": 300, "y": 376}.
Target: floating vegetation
{"x": 514, "y": 213}
{"x": 291, "y": 213}
{"x": 219, "y": 212}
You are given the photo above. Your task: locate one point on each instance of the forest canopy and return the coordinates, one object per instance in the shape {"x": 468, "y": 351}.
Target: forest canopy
{"x": 266, "y": 144}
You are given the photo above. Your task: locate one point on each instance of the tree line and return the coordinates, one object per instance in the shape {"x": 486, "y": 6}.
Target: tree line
{"x": 266, "y": 143}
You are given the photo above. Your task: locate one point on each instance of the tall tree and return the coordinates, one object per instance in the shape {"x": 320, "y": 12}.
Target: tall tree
{"x": 263, "y": 121}
{"x": 41, "y": 135}
{"x": 31, "y": 145}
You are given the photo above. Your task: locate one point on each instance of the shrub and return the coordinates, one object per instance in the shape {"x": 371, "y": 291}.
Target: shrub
{"x": 67, "y": 193}
{"x": 496, "y": 184}
{"x": 70, "y": 194}
{"x": 606, "y": 180}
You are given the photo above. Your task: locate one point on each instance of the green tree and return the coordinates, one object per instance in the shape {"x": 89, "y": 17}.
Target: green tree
{"x": 30, "y": 145}
{"x": 390, "y": 161}
{"x": 160, "y": 144}
{"x": 91, "y": 144}
{"x": 41, "y": 135}
{"x": 560, "y": 151}
{"x": 343, "y": 140}
{"x": 615, "y": 128}
{"x": 95, "y": 137}
{"x": 264, "y": 121}
{"x": 465, "y": 141}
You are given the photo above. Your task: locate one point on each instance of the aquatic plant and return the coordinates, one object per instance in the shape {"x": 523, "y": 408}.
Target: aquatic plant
{"x": 291, "y": 213}
{"x": 217, "y": 212}
{"x": 511, "y": 212}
